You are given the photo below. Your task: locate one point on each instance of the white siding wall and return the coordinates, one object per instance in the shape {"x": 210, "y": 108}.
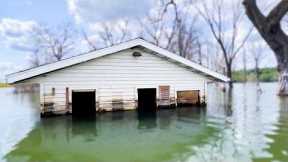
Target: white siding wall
{"x": 117, "y": 76}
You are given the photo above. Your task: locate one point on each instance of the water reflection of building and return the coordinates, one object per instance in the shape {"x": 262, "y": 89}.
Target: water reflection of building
{"x": 85, "y": 126}
{"x": 127, "y": 136}
{"x": 147, "y": 120}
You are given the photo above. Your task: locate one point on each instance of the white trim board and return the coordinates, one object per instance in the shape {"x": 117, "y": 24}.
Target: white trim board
{"x": 26, "y": 74}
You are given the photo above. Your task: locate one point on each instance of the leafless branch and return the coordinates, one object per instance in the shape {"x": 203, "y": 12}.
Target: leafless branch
{"x": 53, "y": 44}
{"x": 91, "y": 44}
{"x": 232, "y": 44}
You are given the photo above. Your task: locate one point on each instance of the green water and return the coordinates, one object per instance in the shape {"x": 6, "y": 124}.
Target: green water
{"x": 245, "y": 126}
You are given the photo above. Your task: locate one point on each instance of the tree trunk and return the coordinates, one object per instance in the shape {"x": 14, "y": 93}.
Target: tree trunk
{"x": 281, "y": 53}
{"x": 245, "y": 67}
{"x": 229, "y": 74}
{"x": 257, "y": 72}
{"x": 283, "y": 80}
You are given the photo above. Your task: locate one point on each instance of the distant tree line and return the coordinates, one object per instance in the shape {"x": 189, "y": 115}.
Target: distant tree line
{"x": 262, "y": 75}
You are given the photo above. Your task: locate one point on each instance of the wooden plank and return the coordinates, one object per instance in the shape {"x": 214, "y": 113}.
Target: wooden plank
{"x": 67, "y": 98}
{"x": 188, "y": 97}
{"x": 53, "y": 91}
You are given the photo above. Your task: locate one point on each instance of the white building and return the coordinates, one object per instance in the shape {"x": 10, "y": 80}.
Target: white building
{"x": 125, "y": 76}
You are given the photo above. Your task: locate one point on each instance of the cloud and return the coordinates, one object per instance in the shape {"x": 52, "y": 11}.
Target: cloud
{"x": 15, "y": 28}
{"x": 21, "y": 46}
{"x": 15, "y": 33}
{"x": 99, "y": 10}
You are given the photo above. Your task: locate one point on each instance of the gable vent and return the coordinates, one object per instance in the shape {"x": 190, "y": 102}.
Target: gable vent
{"x": 136, "y": 54}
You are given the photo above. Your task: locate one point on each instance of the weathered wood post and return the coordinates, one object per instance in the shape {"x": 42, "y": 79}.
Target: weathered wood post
{"x": 67, "y": 99}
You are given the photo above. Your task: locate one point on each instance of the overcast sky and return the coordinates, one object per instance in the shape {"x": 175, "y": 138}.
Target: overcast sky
{"x": 18, "y": 17}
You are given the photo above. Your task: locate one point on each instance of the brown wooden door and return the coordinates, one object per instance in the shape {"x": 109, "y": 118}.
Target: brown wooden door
{"x": 164, "y": 95}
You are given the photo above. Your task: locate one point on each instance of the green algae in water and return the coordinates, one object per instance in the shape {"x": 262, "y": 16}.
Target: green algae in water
{"x": 244, "y": 126}
{"x": 113, "y": 137}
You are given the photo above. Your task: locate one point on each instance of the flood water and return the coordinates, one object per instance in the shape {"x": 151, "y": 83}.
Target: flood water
{"x": 247, "y": 126}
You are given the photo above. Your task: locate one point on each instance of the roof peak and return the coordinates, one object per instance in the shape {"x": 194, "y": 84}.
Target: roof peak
{"x": 26, "y": 74}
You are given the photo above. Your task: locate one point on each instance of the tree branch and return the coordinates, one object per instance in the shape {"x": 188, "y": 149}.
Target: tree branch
{"x": 255, "y": 14}
{"x": 277, "y": 13}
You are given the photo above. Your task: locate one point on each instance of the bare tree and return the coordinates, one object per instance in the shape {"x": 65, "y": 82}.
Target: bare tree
{"x": 157, "y": 28}
{"x": 214, "y": 58}
{"x": 200, "y": 53}
{"x": 230, "y": 43}
{"x": 271, "y": 31}
{"x": 34, "y": 59}
{"x": 187, "y": 40}
{"x": 91, "y": 44}
{"x": 108, "y": 35}
{"x": 171, "y": 29}
{"x": 51, "y": 44}
{"x": 153, "y": 29}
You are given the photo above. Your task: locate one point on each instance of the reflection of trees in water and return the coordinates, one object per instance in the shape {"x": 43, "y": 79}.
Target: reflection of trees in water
{"x": 246, "y": 137}
{"x": 278, "y": 147}
{"x": 216, "y": 150}
{"x": 26, "y": 88}
{"x": 258, "y": 97}
{"x": 237, "y": 138}
{"x": 213, "y": 149}
{"x": 219, "y": 108}
{"x": 228, "y": 102}
{"x": 31, "y": 98}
